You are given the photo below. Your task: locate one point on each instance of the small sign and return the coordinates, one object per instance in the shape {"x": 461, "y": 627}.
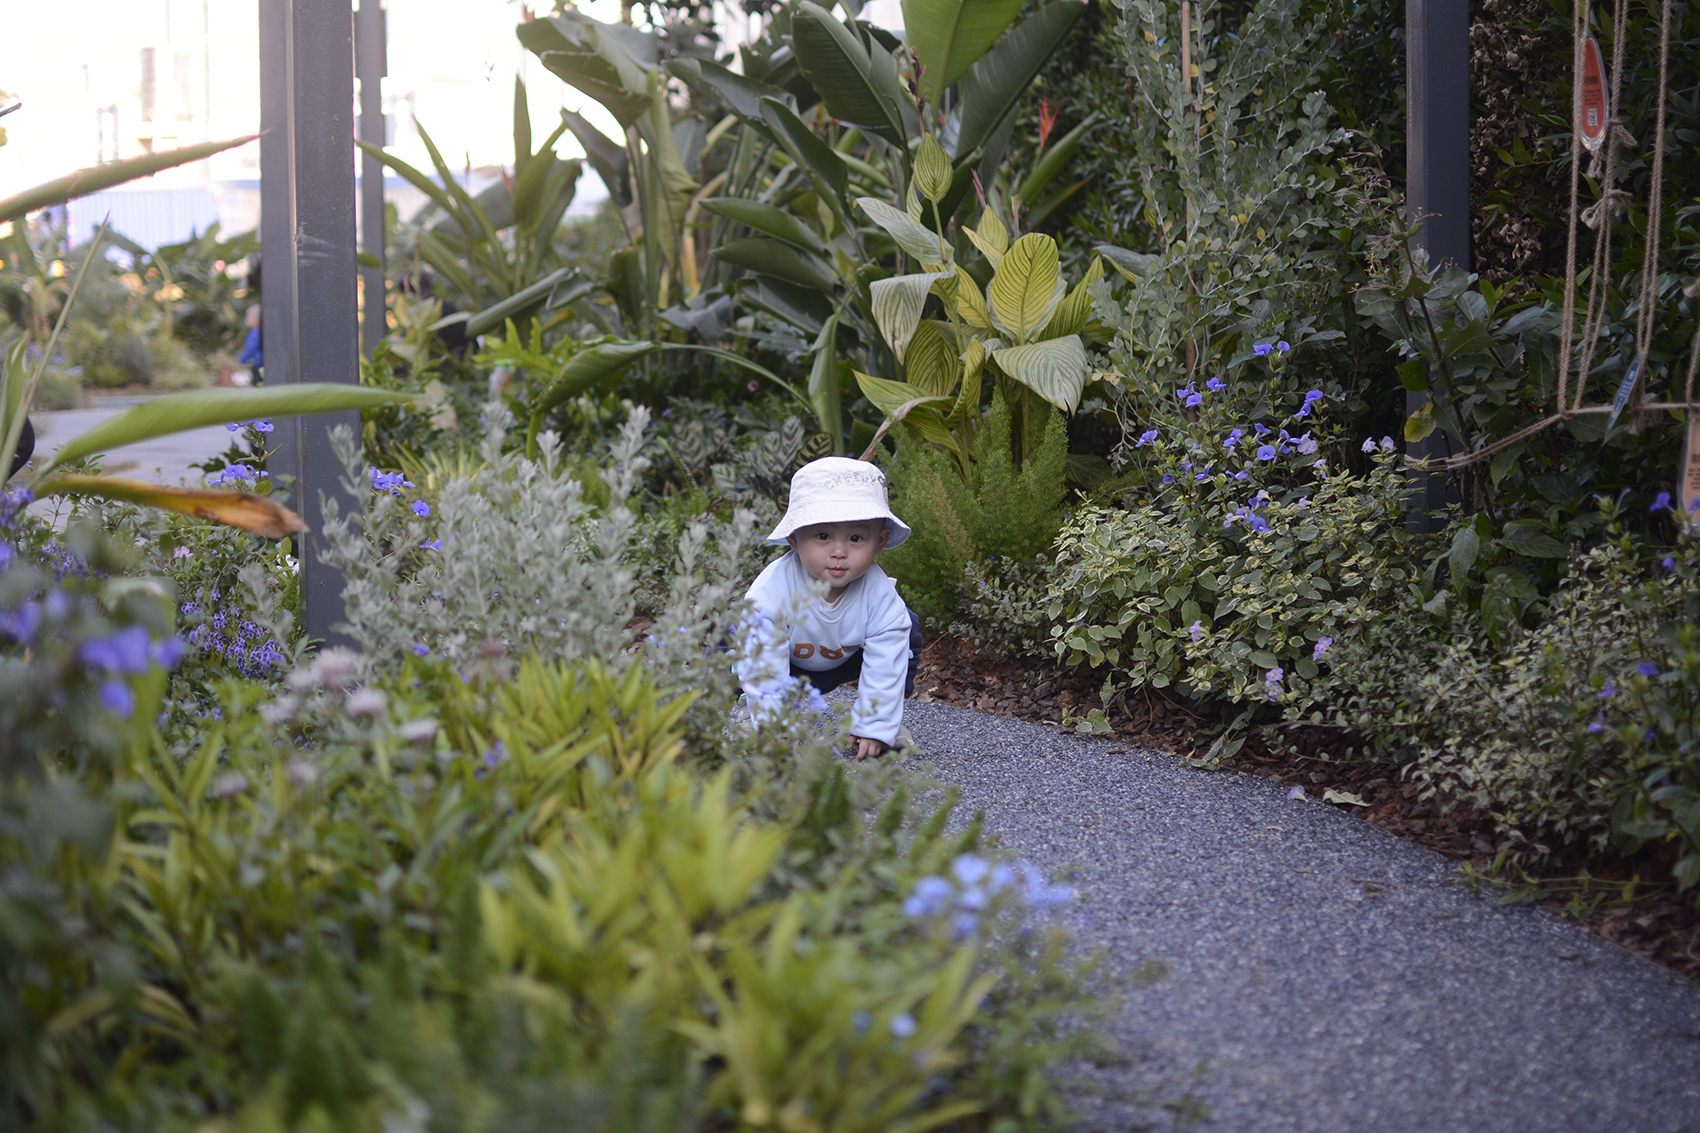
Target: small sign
{"x": 1591, "y": 110}
{"x": 1688, "y": 479}
{"x": 1624, "y": 389}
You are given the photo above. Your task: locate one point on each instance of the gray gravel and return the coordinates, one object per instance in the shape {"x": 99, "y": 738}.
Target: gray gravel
{"x": 1325, "y": 976}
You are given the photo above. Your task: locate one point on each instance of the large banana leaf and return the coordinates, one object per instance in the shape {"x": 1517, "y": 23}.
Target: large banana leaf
{"x": 777, "y": 258}
{"x": 558, "y": 288}
{"x": 249, "y": 511}
{"x": 826, "y": 385}
{"x": 193, "y": 409}
{"x": 859, "y": 86}
{"x": 950, "y": 35}
{"x": 671, "y": 184}
{"x": 608, "y": 62}
{"x": 102, "y": 177}
{"x": 740, "y": 93}
{"x": 991, "y": 87}
{"x": 769, "y": 219}
{"x": 1055, "y": 369}
{"x": 606, "y": 156}
{"x": 824, "y": 164}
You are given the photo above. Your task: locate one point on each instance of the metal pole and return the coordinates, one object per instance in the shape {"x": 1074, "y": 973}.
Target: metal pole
{"x": 1437, "y": 36}
{"x": 308, "y": 311}
{"x": 370, "y": 49}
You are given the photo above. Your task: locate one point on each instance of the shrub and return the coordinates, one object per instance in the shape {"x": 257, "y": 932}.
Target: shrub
{"x": 1001, "y": 513}
{"x": 1578, "y": 735}
{"x": 1246, "y": 562}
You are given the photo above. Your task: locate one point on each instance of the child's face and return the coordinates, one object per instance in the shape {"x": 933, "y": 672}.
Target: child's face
{"x": 839, "y": 553}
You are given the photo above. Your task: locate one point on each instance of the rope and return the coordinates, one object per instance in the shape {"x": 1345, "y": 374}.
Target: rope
{"x": 1655, "y": 218}
{"x": 1594, "y": 319}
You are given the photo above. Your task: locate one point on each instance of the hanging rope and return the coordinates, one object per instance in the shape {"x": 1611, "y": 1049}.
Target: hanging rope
{"x": 1613, "y": 201}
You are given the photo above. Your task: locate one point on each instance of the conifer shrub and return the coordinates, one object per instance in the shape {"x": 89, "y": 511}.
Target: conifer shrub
{"x": 1001, "y": 512}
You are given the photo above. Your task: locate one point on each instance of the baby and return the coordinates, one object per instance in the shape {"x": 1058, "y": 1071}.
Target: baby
{"x": 837, "y": 524}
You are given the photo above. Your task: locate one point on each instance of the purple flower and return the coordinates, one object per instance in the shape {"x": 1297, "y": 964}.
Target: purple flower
{"x": 1596, "y": 725}
{"x": 1322, "y": 644}
{"x": 1262, "y": 349}
{"x": 1609, "y": 691}
{"x": 1272, "y": 682}
{"x": 1145, "y": 438}
{"x": 421, "y": 508}
{"x": 1297, "y": 795}
{"x": 420, "y": 649}
{"x": 903, "y": 1026}
{"x": 389, "y": 481}
{"x": 1386, "y": 444}
{"x": 1283, "y": 346}
{"x": 1306, "y": 445}
{"x": 1215, "y": 384}
{"x": 124, "y": 651}
{"x": 1196, "y": 629}
{"x": 1233, "y": 438}
{"x": 261, "y": 426}
{"x": 495, "y": 755}
{"x": 1647, "y": 669}
{"x": 1241, "y": 474}
{"x": 431, "y": 545}
{"x": 1368, "y": 445}
{"x": 116, "y": 698}
{"x": 1260, "y": 428}
{"x": 1669, "y": 564}
{"x": 1661, "y": 502}
{"x": 168, "y": 652}
{"x": 232, "y": 426}
{"x": 1168, "y": 478}
{"x": 1266, "y": 452}
{"x": 931, "y": 895}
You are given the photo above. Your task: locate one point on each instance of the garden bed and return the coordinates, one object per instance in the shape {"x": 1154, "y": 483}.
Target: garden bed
{"x": 1616, "y": 901}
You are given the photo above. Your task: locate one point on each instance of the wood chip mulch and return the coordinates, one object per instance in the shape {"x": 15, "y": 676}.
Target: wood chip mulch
{"x": 1613, "y": 899}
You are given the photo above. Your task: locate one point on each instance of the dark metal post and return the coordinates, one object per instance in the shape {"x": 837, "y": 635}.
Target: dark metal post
{"x": 370, "y": 68}
{"x": 1437, "y": 37}
{"x": 308, "y": 310}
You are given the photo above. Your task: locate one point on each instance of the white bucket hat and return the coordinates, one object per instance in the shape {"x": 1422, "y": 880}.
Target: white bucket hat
{"x": 838, "y": 489}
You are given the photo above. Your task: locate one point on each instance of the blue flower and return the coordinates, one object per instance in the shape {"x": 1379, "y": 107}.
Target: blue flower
{"x": 1241, "y": 474}
{"x": 124, "y": 651}
{"x": 231, "y": 426}
{"x": 902, "y": 1026}
{"x": 116, "y": 698}
{"x": 1266, "y": 452}
{"x": 1233, "y": 438}
{"x": 1669, "y": 564}
{"x": 1661, "y": 502}
{"x": 1262, "y": 349}
{"x": 1196, "y": 630}
{"x": 1647, "y": 669}
{"x": 1272, "y": 682}
{"x": 1168, "y": 478}
{"x": 1185, "y": 392}
{"x": 1368, "y": 445}
{"x": 421, "y": 508}
{"x": 1322, "y": 644}
{"x": 1194, "y": 399}
{"x": 420, "y": 649}
{"x": 1145, "y": 438}
{"x": 932, "y": 895}
{"x": 431, "y": 545}
{"x": 1215, "y": 384}
{"x": 495, "y": 755}
{"x": 261, "y": 426}
{"x": 970, "y": 870}
{"x": 1306, "y": 445}
{"x": 1038, "y": 892}
{"x": 1260, "y": 428}
{"x": 1283, "y": 346}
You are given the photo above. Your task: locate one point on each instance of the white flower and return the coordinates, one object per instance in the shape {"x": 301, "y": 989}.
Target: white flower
{"x": 1369, "y": 444}
{"x": 419, "y": 732}
{"x": 280, "y": 711}
{"x": 365, "y": 703}
{"x": 302, "y": 772}
{"x": 303, "y": 681}
{"x": 1386, "y": 444}
{"x": 336, "y": 668}
{"x": 229, "y": 785}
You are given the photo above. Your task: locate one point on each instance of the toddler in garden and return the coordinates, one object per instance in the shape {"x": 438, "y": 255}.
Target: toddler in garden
{"x": 837, "y": 524}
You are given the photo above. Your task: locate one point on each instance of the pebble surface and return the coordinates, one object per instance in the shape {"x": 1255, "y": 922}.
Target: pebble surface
{"x": 1323, "y": 975}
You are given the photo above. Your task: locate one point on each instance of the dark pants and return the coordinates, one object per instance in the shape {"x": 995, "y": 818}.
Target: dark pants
{"x": 829, "y": 679}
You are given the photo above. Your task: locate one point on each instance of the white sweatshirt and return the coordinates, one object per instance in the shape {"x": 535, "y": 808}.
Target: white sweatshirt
{"x": 794, "y": 627}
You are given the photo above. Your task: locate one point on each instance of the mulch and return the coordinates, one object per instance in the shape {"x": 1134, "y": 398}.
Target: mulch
{"x": 1623, "y": 900}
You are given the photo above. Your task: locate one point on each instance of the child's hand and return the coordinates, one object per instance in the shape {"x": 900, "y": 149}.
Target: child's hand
{"x": 866, "y": 748}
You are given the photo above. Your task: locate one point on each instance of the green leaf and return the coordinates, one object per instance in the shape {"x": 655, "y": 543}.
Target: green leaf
{"x": 1026, "y": 287}
{"x": 933, "y": 174}
{"x": 553, "y": 288}
{"x": 963, "y": 294}
{"x": 913, "y": 237}
{"x": 768, "y": 219}
{"x": 859, "y": 86}
{"x": 889, "y": 397}
{"x": 1055, "y": 369}
{"x": 191, "y": 409}
{"x": 587, "y": 368}
{"x": 825, "y": 384}
{"x": 1057, "y": 155}
{"x": 824, "y": 164}
{"x": 741, "y": 94}
{"x": 897, "y": 304}
{"x": 949, "y": 36}
{"x": 606, "y": 156}
{"x": 781, "y": 260}
{"x": 1074, "y": 312}
{"x": 1528, "y": 537}
{"x": 102, "y": 177}
{"x": 606, "y": 61}
{"x": 994, "y": 84}
{"x": 1421, "y": 423}
{"x": 1465, "y": 547}
{"x": 1413, "y": 374}
{"x": 932, "y": 363}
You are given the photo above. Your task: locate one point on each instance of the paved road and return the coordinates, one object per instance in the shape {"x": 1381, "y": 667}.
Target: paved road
{"x": 1325, "y": 976}
{"x": 163, "y": 460}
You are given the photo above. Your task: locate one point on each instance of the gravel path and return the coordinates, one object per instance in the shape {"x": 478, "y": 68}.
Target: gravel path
{"x": 1325, "y": 976}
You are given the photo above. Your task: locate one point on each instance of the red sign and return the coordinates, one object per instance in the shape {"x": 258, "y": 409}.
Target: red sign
{"x": 1591, "y": 121}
